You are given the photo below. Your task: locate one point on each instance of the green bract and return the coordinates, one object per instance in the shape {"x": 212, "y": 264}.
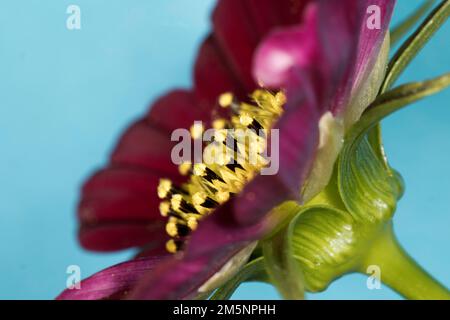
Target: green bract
{"x": 332, "y": 234}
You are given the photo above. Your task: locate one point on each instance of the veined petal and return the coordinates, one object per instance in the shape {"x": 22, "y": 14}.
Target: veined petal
{"x": 177, "y": 109}
{"x": 212, "y": 75}
{"x": 111, "y": 192}
{"x": 119, "y": 209}
{"x": 183, "y": 277}
{"x": 112, "y": 236}
{"x": 371, "y": 40}
{"x": 114, "y": 282}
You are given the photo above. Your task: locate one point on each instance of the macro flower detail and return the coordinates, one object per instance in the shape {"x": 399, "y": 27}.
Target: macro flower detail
{"x": 232, "y": 159}
{"x": 308, "y": 69}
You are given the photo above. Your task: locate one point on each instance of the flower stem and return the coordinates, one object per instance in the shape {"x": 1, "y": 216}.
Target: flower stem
{"x": 400, "y": 272}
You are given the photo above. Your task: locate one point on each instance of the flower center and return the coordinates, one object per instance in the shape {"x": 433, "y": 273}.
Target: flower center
{"x": 233, "y": 157}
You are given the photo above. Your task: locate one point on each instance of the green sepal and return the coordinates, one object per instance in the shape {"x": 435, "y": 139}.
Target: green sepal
{"x": 283, "y": 269}
{"x": 414, "y": 44}
{"x": 405, "y": 26}
{"x": 252, "y": 271}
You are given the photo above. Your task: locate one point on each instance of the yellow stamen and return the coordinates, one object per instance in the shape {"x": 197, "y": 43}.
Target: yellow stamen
{"x": 175, "y": 201}
{"x": 192, "y": 223}
{"x": 164, "y": 208}
{"x": 226, "y": 99}
{"x": 171, "y": 229}
{"x": 219, "y": 124}
{"x": 245, "y": 119}
{"x": 171, "y": 246}
{"x": 198, "y": 198}
{"x": 164, "y": 188}
{"x": 199, "y": 169}
{"x": 197, "y": 130}
{"x": 225, "y": 170}
{"x": 222, "y": 196}
{"x": 220, "y": 135}
{"x": 184, "y": 168}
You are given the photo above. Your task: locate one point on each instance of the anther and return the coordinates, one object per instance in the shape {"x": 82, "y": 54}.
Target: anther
{"x": 234, "y": 166}
{"x": 178, "y": 203}
{"x": 171, "y": 229}
{"x": 197, "y": 130}
{"x": 173, "y": 246}
{"x": 219, "y": 124}
{"x": 185, "y": 168}
{"x": 226, "y": 99}
{"x": 201, "y": 199}
{"x": 192, "y": 223}
{"x": 164, "y": 188}
{"x": 164, "y": 208}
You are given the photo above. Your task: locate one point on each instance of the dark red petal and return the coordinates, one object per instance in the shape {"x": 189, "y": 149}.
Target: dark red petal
{"x": 147, "y": 147}
{"x": 119, "y": 209}
{"x": 178, "y": 109}
{"x": 237, "y": 38}
{"x": 119, "y": 205}
{"x": 118, "y": 193}
{"x": 267, "y": 15}
{"x": 112, "y": 236}
{"x": 212, "y": 76}
{"x": 114, "y": 282}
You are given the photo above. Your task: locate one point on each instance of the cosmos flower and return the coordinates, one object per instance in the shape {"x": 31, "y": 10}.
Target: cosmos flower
{"x": 307, "y": 68}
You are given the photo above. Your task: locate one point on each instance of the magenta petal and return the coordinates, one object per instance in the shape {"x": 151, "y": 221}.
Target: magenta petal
{"x": 114, "y": 282}
{"x": 285, "y": 50}
{"x": 370, "y": 41}
{"x": 181, "y": 277}
{"x": 219, "y": 231}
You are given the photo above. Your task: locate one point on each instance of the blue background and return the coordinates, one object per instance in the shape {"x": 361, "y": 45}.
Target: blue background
{"x": 65, "y": 96}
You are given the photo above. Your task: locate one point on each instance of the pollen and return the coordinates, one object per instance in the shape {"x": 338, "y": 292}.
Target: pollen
{"x": 164, "y": 208}
{"x": 171, "y": 229}
{"x": 164, "y": 188}
{"x": 172, "y": 246}
{"x": 245, "y": 119}
{"x": 185, "y": 168}
{"x": 175, "y": 202}
{"x": 197, "y": 130}
{"x": 226, "y": 99}
{"x": 199, "y": 169}
{"x": 219, "y": 124}
{"x": 230, "y": 162}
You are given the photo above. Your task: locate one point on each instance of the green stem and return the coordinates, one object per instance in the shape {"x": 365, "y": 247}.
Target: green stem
{"x": 400, "y": 272}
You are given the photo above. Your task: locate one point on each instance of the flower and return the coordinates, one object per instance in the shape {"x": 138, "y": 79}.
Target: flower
{"x": 328, "y": 65}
